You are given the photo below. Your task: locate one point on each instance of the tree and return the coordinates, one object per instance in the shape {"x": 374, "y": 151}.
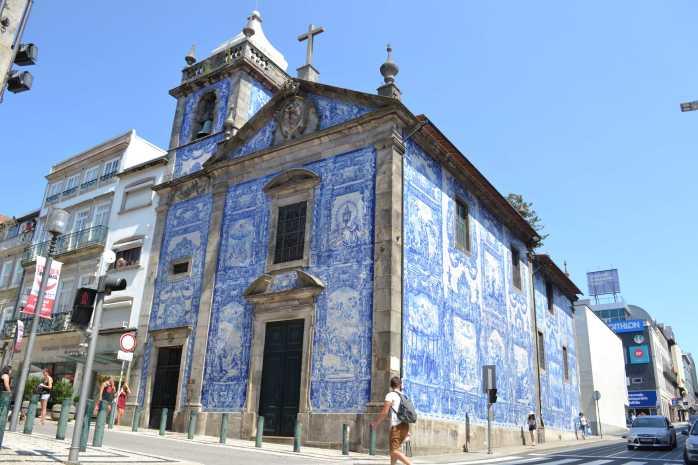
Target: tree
{"x": 529, "y": 214}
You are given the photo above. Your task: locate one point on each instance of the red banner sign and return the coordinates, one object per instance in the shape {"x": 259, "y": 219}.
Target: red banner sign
{"x": 49, "y": 292}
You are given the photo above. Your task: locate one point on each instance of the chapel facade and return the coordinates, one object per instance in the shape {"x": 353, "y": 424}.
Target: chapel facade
{"x": 313, "y": 241}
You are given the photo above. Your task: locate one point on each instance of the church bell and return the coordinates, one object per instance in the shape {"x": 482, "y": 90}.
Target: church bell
{"x": 206, "y": 129}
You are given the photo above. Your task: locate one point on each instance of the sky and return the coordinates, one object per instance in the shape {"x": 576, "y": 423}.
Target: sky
{"x": 573, "y": 104}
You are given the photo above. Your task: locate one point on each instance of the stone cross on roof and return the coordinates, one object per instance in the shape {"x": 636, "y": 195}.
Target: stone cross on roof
{"x": 308, "y": 71}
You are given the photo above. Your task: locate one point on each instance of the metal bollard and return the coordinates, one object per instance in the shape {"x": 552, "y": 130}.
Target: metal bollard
{"x": 4, "y": 410}
{"x": 63, "y": 419}
{"x": 297, "y": 437}
{"x": 98, "y": 436}
{"x": 372, "y": 441}
{"x": 112, "y": 416}
{"x": 345, "y": 439}
{"x": 136, "y": 419}
{"x": 163, "y": 421}
{"x": 31, "y": 414}
{"x": 85, "y": 433}
{"x": 260, "y": 431}
{"x": 192, "y": 424}
{"x": 223, "y": 433}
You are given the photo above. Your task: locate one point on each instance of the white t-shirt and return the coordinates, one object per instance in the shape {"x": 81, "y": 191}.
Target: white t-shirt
{"x": 394, "y": 398}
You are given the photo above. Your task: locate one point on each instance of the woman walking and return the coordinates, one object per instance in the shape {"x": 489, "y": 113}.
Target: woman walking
{"x": 121, "y": 402}
{"x": 532, "y": 426}
{"x": 107, "y": 392}
{"x": 44, "y": 389}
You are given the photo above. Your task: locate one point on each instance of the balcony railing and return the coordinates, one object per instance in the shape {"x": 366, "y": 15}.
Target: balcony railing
{"x": 59, "y": 322}
{"x": 108, "y": 175}
{"x": 53, "y": 198}
{"x": 67, "y": 243}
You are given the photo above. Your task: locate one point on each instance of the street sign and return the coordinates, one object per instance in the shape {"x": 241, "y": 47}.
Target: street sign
{"x": 596, "y": 395}
{"x": 124, "y": 356}
{"x": 489, "y": 378}
{"x": 689, "y": 106}
{"x": 127, "y": 342}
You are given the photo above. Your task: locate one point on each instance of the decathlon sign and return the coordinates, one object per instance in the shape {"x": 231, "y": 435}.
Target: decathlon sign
{"x": 626, "y": 326}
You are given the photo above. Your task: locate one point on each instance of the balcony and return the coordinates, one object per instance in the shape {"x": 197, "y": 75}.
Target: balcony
{"x": 89, "y": 183}
{"x": 53, "y": 198}
{"x": 108, "y": 175}
{"x": 14, "y": 241}
{"x": 59, "y": 322}
{"x": 68, "y": 243}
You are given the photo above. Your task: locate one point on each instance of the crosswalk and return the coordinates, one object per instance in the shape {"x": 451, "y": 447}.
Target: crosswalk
{"x": 552, "y": 460}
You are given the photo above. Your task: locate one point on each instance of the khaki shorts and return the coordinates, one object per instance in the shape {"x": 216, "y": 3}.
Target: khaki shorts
{"x": 397, "y": 435}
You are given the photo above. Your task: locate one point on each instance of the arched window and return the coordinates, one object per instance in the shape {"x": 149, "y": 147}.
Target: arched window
{"x": 204, "y": 117}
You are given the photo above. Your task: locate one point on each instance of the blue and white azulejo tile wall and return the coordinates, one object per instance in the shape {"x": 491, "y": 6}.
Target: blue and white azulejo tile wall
{"x": 460, "y": 309}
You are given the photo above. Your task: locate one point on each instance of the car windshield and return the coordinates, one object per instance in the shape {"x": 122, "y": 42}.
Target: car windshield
{"x": 649, "y": 423}
{"x": 694, "y": 430}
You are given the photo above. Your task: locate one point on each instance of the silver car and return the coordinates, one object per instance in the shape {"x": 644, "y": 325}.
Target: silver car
{"x": 690, "y": 448}
{"x": 654, "y": 431}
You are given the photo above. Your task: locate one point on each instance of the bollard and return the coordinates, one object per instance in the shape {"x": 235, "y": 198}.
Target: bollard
{"x": 223, "y": 434}
{"x": 345, "y": 439}
{"x": 98, "y": 436}
{"x": 192, "y": 424}
{"x": 63, "y": 419}
{"x": 163, "y": 421}
{"x": 31, "y": 414}
{"x": 297, "y": 437}
{"x": 86, "y": 424}
{"x": 372, "y": 441}
{"x": 260, "y": 431}
{"x": 4, "y": 410}
{"x": 112, "y": 416}
{"x": 136, "y": 419}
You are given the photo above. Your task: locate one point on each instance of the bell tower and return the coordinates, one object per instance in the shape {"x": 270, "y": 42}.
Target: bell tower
{"x": 220, "y": 93}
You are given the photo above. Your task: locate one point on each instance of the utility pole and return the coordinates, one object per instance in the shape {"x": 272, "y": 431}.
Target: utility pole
{"x": 56, "y": 224}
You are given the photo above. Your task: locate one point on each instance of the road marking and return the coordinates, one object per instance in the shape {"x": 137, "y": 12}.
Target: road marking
{"x": 597, "y": 462}
{"x": 634, "y": 463}
{"x": 492, "y": 460}
{"x": 561, "y": 462}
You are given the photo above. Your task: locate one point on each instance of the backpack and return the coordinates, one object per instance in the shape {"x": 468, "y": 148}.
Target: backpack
{"x": 405, "y": 412}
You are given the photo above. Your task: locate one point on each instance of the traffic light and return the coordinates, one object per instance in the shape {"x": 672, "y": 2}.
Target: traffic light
{"x": 492, "y": 396}
{"x": 26, "y": 55}
{"x": 83, "y": 305}
{"x": 21, "y": 81}
{"x": 113, "y": 284}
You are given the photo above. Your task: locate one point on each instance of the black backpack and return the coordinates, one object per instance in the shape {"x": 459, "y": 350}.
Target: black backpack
{"x": 405, "y": 412}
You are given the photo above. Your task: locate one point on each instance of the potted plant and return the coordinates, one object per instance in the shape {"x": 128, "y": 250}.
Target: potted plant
{"x": 62, "y": 389}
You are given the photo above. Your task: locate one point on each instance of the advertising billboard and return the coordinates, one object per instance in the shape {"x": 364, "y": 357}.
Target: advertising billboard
{"x": 642, "y": 399}
{"x": 603, "y": 282}
{"x": 49, "y": 292}
{"x": 626, "y": 326}
{"x": 639, "y": 354}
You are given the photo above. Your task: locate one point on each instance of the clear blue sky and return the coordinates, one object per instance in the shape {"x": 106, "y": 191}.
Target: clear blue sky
{"x": 573, "y": 104}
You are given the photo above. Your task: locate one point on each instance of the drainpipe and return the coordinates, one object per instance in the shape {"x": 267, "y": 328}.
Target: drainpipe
{"x": 539, "y": 403}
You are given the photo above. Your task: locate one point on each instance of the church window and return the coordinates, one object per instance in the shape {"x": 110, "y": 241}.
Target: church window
{"x": 462, "y": 226}
{"x": 204, "y": 116}
{"x": 550, "y": 296}
{"x": 180, "y": 268}
{"x": 290, "y": 232}
{"x": 565, "y": 364}
{"x": 541, "y": 351}
{"x": 516, "y": 268}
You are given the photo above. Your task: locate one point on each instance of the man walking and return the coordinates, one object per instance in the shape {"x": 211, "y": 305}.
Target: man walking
{"x": 398, "y": 429}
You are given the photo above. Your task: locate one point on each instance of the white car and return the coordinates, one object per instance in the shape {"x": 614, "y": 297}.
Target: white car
{"x": 654, "y": 431}
{"x": 690, "y": 448}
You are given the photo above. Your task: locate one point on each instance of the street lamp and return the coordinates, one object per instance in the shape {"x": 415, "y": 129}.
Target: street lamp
{"x": 56, "y": 224}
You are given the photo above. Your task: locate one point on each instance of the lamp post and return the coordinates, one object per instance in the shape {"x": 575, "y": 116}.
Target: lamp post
{"x": 56, "y": 224}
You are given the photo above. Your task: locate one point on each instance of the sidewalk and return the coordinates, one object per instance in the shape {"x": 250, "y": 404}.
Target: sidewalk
{"x": 41, "y": 449}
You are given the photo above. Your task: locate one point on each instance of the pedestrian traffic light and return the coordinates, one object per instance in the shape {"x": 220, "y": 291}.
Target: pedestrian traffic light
{"x": 83, "y": 305}
{"x": 26, "y": 55}
{"x": 113, "y": 284}
{"x": 19, "y": 81}
{"x": 492, "y": 396}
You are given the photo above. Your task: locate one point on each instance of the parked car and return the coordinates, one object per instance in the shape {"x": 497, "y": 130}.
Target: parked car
{"x": 655, "y": 431}
{"x": 690, "y": 447}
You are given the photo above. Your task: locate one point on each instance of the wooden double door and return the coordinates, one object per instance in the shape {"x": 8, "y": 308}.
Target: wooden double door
{"x": 281, "y": 376}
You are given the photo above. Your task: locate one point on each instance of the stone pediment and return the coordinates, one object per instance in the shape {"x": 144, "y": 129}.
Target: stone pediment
{"x": 298, "y": 110}
{"x": 296, "y": 284}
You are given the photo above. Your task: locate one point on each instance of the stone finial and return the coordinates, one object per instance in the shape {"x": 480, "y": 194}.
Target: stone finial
{"x": 190, "y": 57}
{"x": 253, "y": 22}
{"x": 389, "y": 70}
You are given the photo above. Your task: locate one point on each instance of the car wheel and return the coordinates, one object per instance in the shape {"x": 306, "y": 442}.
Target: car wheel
{"x": 630, "y": 447}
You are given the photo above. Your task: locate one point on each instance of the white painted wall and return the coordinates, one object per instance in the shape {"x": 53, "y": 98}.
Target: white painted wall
{"x": 602, "y": 368}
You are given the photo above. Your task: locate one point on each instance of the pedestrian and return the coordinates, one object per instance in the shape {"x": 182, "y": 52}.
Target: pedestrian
{"x": 5, "y": 379}
{"x": 107, "y": 391}
{"x": 121, "y": 402}
{"x": 583, "y": 424}
{"x": 402, "y": 413}
{"x": 44, "y": 390}
{"x": 632, "y": 418}
{"x": 532, "y": 427}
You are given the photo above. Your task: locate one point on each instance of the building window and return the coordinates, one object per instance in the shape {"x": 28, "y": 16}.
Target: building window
{"x": 516, "y": 268}
{"x": 550, "y": 296}
{"x": 290, "y": 232}
{"x": 565, "y": 364}
{"x": 6, "y": 274}
{"x": 205, "y": 109}
{"x": 137, "y": 198}
{"x": 180, "y": 268}
{"x": 462, "y": 226}
{"x": 541, "y": 351}
{"x": 90, "y": 177}
{"x": 18, "y": 273}
{"x": 129, "y": 257}
{"x": 110, "y": 169}
{"x": 71, "y": 185}
{"x": 637, "y": 380}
